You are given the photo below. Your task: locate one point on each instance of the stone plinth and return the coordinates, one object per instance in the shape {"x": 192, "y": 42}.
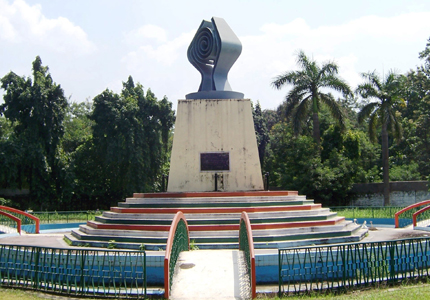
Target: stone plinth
{"x": 214, "y": 136}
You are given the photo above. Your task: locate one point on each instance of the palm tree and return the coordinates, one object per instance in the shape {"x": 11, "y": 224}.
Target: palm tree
{"x": 382, "y": 113}
{"x": 306, "y": 95}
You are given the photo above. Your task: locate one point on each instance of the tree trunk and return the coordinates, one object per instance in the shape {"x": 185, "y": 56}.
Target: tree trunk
{"x": 385, "y": 165}
{"x": 316, "y": 129}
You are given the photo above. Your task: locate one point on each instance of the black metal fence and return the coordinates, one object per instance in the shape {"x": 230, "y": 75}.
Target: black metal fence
{"x": 344, "y": 266}
{"x": 86, "y": 272}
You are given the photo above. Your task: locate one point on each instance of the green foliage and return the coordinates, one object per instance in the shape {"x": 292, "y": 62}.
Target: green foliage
{"x": 261, "y": 132}
{"x": 126, "y": 151}
{"x": 388, "y": 95}
{"x": 346, "y": 157}
{"x": 78, "y": 126}
{"x": 306, "y": 97}
{"x": 36, "y": 109}
{"x": 5, "y": 202}
{"x": 383, "y": 113}
{"x": 111, "y": 244}
{"x": 408, "y": 172}
{"x": 193, "y": 245}
{"x": 297, "y": 166}
{"x": 425, "y": 54}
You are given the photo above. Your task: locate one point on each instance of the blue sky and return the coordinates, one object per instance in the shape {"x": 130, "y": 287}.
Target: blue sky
{"x": 93, "y": 45}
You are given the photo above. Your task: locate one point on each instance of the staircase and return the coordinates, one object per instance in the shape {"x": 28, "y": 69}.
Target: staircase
{"x": 279, "y": 219}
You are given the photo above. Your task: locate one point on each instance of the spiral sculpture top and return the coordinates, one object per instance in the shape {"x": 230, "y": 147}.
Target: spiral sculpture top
{"x": 213, "y": 52}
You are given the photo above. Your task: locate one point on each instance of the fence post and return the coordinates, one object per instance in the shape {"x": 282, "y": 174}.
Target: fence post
{"x": 36, "y": 267}
{"x": 82, "y": 281}
{"x": 280, "y": 273}
{"x": 392, "y": 262}
{"x": 144, "y": 273}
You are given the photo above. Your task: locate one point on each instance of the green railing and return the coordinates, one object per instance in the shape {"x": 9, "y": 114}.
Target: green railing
{"x": 75, "y": 272}
{"x": 178, "y": 240}
{"x": 374, "y": 212}
{"x": 404, "y": 219}
{"x": 345, "y": 266}
{"x": 48, "y": 217}
{"x": 246, "y": 244}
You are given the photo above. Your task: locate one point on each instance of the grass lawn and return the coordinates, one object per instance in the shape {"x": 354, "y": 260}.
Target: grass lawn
{"x": 17, "y": 294}
{"x": 404, "y": 292}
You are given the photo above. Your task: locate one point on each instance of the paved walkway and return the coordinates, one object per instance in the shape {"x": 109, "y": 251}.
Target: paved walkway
{"x": 55, "y": 239}
{"x": 210, "y": 274}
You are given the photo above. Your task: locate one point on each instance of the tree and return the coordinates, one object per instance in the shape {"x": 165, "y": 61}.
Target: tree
{"x": 382, "y": 113}
{"x": 125, "y": 153}
{"x": 36, "y": 109}
{"x": 295, "y": 165}
{"x": 261, "y": 132}
{"x": 425, "y": 55}
{"x": 306, "y": 95}
{"x": 77, "y": 126}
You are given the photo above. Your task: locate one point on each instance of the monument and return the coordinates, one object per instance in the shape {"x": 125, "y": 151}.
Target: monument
{"x": 215, "y": 175}
{"x": 214, "y": 145}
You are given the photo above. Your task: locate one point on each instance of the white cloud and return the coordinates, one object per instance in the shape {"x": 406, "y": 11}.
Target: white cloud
{"x": 146, "y": 32}
{"x": 361, "y": 45}
{"x": 22, "y": 23}
{"x": 165, "y": 53}
{"x": 357, "y": 46}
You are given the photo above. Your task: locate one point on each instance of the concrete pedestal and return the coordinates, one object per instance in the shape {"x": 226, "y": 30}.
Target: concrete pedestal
{"x": 214, "y": 137}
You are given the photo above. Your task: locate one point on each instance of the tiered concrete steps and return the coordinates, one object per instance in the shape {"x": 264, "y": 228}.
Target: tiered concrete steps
{"x": 279, "y": 219}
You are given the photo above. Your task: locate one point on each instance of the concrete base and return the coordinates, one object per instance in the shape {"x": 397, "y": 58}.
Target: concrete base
{"x": 214, "y": 128}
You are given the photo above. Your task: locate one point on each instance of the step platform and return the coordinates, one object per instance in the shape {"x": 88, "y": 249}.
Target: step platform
{"x": 279, "y": 219}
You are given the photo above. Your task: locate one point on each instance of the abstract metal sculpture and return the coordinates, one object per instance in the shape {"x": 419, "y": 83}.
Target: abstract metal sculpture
{"x": 213, "y": 52}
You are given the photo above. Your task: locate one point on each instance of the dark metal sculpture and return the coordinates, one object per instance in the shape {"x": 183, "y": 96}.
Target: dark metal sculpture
{"x": 213, "y": 51}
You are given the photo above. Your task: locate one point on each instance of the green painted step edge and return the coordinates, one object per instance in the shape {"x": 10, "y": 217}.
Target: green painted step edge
{"x": 214, "y": 205}
{"x": 214, "y": 239}
{"x": 214, "y": 221}
{"x": 96, "y": 238}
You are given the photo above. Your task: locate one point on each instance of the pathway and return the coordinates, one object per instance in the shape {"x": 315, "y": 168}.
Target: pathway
{"x": 210, "y": 274}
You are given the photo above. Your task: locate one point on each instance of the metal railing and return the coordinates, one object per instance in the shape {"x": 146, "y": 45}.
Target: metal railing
{"x": 178, "y": 240}
{"x": 25, "y": 218}
{"x": 345, "y": 266}
{"x": 76, "y": 272}
{"x": 9, "y": 222}
{"x": 246, "y": 244}
{"x": 407, "y": 213}
{"x": 374, "y": 212}
{"x": 422, "y": 216}
{"x": 49, "y": 217}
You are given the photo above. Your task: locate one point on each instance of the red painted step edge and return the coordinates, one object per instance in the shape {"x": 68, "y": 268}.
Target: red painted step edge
{"x": 212, "y": 210}
{"x": 214, "y": 194}
{"x": 94, "y": 225}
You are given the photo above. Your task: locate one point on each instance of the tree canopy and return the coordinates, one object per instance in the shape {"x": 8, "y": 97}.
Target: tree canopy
{"x": 36, "y": 108}
{"x": 306, "y": 95}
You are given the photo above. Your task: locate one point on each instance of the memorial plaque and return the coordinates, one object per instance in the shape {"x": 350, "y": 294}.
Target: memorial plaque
{"x": 215, "y": 161}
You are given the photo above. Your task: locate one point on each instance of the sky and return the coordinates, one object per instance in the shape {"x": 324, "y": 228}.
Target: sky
{"x": 90, "y": 46}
